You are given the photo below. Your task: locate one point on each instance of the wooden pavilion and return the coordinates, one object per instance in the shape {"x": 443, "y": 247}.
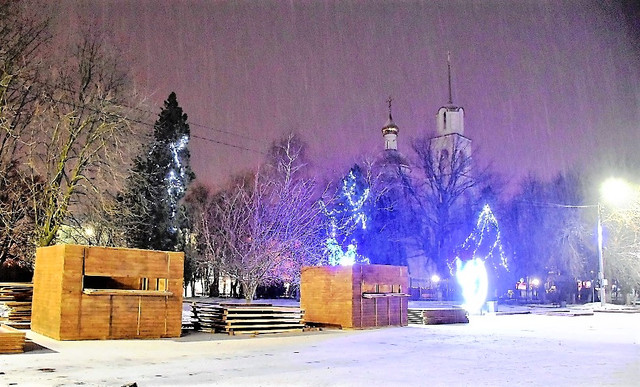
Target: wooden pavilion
{"x": 89, "y": 292}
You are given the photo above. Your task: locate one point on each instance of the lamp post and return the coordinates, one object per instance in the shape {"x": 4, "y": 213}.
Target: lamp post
{"x": 618, "y": 193}
{"x": 601, "y": 291}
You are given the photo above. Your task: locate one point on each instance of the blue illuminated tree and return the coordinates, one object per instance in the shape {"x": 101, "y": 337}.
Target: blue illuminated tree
{"x": 485, "y": 241}
{"x": 483, "y": 247}
{"x": 348, "y": 216}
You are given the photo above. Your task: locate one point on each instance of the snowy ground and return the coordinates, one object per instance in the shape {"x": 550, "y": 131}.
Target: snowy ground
{"x": 496, "y": 350}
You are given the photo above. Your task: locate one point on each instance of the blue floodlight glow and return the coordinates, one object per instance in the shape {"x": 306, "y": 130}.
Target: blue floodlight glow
{"x": 472, "y": 277}
{"x": 340, "y": 257}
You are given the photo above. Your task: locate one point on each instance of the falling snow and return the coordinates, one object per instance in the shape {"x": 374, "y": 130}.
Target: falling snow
{"x": 545, "y": 84}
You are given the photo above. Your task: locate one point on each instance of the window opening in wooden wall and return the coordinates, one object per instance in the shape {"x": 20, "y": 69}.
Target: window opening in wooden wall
{"x": 93, "y": 283}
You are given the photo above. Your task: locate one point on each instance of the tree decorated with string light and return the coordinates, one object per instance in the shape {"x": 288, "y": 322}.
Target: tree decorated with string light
{"x": 158, "y": 181}
{"x": 485, "y": 241}
{"x": 348, "y": 219}
{"x": 481, "y": 252}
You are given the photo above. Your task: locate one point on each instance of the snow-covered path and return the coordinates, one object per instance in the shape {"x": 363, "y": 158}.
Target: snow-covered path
{"x": 529, "y": 349}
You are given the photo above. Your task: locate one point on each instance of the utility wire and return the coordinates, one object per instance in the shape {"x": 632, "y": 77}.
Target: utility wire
{"x": 556, "y": 205}
{"x": 226, "y": 144}
{"x": 227, "y": 132}
{"x": 153, "y": 125}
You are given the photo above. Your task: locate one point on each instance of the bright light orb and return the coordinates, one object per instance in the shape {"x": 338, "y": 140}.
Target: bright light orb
{"x": 349, "y": 258}
{"x": 616, "y": 191}
{"x": 435, "y": 278}
{"x": 89, "y": 231}
{"x": 472, "y": 277}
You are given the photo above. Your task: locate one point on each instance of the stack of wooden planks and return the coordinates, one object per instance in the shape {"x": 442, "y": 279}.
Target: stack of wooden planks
{"x": 188, "y": 319}
{"x": 236, "y": 319}
{"x": 11, "y": 339}
{"x": 433, "y": 316}
{"x": 15, "y": 304}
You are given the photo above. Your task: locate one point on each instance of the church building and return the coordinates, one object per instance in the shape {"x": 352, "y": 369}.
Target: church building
{"x": 450, "y": 153}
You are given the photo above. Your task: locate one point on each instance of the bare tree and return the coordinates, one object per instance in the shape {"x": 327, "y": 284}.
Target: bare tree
{"x": 265, "y": 227}
{"x": 441, "y": 189}
{"x": 22, "y": 34}
{"x": 94, "y": 222}
{"x": 197, "y": 266}
{"x": 622, "y": 245}
{"x": 17, "y": 222}
{"x": 65, "y": 129}
{"x": 551, "y": 232}
{"x": 82, "y": 135}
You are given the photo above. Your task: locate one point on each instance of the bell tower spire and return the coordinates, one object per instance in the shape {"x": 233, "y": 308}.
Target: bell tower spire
{"x": 450, "y": 118}
{"x": 449, "y": 76}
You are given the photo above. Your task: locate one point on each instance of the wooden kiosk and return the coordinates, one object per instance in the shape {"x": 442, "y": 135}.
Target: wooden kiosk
{"x": 87, "y": 292}
{"x": 358, "y": 296}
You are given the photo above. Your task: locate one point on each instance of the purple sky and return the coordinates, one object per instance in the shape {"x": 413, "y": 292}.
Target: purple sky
{"x": 544, "y": 84}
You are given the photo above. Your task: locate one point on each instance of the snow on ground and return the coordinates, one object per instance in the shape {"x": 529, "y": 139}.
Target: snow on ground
{"x": 492, "y": 350}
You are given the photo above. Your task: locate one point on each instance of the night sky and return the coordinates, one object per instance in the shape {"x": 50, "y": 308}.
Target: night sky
{"x": 545, "y": 84}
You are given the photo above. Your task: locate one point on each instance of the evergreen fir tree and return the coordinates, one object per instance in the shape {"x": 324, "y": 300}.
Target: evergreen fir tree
{"x": 158, "y": 181}
{"x": 348, "y": 220}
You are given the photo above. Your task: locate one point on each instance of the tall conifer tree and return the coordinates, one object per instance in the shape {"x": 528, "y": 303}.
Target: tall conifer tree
{"x": 159, "y": 179}
{"x": 348, "y": 218}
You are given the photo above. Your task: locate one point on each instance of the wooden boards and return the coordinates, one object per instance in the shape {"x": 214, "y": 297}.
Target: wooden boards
{"x": 236, "y": 319}
{"x": 88, "y": 292}
{"x": 433, "y": 316}
{"x": 11, "y": 339}
{"x": 358, "y": 296}
{"x": 15, "y": 304}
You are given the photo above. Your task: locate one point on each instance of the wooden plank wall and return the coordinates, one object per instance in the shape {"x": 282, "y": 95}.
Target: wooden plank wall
{"x": 47, "y": 290}
{"x": 107, "y": 315}
{"x": 333, "y": 295}
{"x": 383, "y": 311}
{"x": 326, "y": 295}
{"x": 133, "y": 263}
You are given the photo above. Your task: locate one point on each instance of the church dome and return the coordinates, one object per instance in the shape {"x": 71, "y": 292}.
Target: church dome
{"x": 390, "y": 127}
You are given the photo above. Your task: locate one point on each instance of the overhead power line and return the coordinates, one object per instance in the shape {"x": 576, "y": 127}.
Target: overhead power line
{"x": 554, "y": 205}
{"x": 227, "y": 132}
{"x": 227, "y": 144}
{"x": 153, "y": 124}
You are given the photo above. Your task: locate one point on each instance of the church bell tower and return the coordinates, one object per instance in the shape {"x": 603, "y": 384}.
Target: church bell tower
{"x": 450, "y": 146}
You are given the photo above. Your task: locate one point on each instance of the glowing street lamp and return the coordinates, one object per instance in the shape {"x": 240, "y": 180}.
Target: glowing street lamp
{"x": 618, "y": 193}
